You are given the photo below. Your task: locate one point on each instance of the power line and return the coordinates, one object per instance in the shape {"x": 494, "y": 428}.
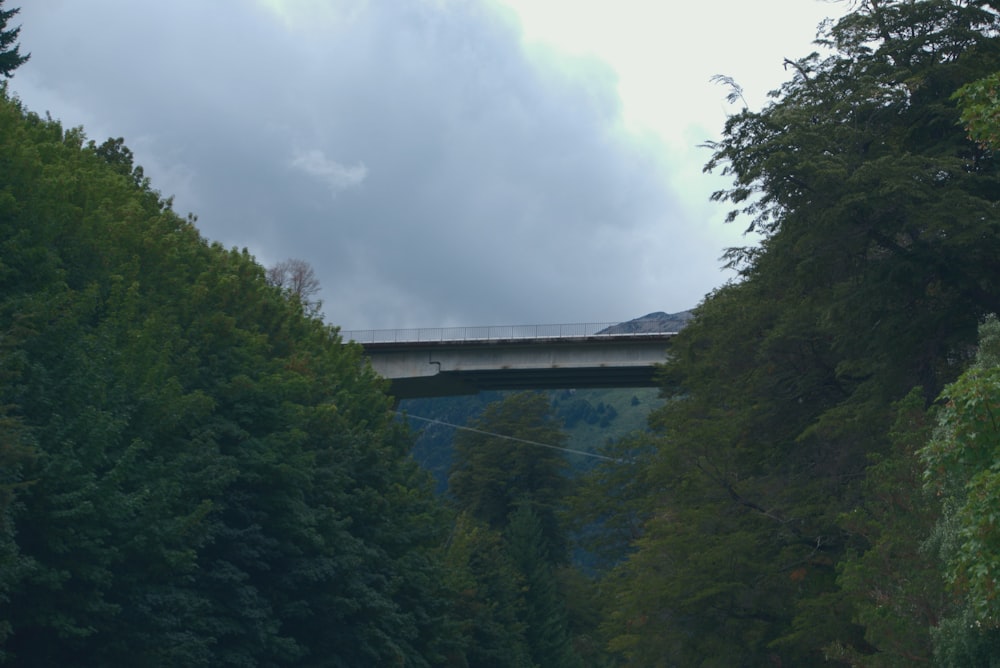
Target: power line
{"x": 582, "y": 453}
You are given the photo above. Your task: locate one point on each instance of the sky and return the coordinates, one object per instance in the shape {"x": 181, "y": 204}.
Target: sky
{"x": 437, "y": 162}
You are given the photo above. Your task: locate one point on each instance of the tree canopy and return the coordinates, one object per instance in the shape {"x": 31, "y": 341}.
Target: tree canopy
{"x": 297, "y": 279}
{"x": 879, "y": 238}
{"x": 508, "y": 459}
{"x": 10, "y": 50}
{"x": 980, "y": 104}
{"x": 192, "y": 470}
{"x": 196, "y": 470}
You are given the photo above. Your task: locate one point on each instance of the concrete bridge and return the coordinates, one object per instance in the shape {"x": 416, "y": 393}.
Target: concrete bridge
{"x": 466, "y": 360}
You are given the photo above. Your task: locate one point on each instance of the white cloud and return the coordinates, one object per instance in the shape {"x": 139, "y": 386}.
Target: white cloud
{"x": 314, "y": 14}
{"x": 337, "y": 176}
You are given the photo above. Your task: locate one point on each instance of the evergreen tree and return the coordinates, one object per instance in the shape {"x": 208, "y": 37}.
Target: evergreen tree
{"x": 546, "y": 626}
{"x": 10, "y": 50}
{"x": 490, "y": 601}
{"x": 511, "y": 459}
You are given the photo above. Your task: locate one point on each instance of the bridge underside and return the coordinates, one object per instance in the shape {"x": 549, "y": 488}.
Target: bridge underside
{"x": 450, "y": 383}
{"x": 445, "y": 369}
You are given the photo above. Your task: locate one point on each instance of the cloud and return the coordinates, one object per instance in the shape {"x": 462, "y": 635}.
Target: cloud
{"x": 337, "y": 176}
{"x": 499, "y": 183}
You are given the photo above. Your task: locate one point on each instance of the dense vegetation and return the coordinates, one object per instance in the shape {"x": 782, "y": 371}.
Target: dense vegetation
{"x": 589, "y": 418}
{"x": 786, "y": 516}
{"x": 196, "y": 471}
{"x": 821, "y": 484}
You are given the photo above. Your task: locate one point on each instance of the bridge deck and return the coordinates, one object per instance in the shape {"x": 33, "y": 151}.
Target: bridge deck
{"x": 451, "y": 361}
{"x": 493, "y": 333}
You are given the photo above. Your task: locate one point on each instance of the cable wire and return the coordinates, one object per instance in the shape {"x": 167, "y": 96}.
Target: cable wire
{"x": 582, "y": 453}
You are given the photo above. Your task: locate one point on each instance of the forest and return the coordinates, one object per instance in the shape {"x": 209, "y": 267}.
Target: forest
{"x": 195, "y": 470}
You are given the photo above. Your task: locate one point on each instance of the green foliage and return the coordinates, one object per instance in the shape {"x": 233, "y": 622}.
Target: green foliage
{"x": 10, "y": 50}
{"x": 515, "y": 488}
{"x": 961, "y": 468}
{"x": 490, "y": 599}
{"x": 611, "y": 502}
{"x": 893, "y": 580}
{"x": 763, "y": 543}
{"x": 546, "y": 625}
{"x": 194, "y": 472}
{"x": 16, "y": 454}
{"x": 625, "y": 411}
{"x": 121, "y": 158}
{"x": 434, "y": 445}
{"x": 961, "y": 641}
{"x": 580, "y": 409}
{"x": 980, "y": 104}
{"x": 493, "y": 475}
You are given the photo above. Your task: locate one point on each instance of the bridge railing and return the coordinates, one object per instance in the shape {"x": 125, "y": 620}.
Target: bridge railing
{"x": 488, "y": 333}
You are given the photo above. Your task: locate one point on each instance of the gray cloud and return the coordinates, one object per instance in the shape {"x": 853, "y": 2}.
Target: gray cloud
{"x": 430, "y": 168}
{"x": 337, "y": 177}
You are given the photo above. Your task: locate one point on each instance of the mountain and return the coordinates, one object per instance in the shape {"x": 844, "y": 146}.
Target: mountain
{"x": 652, "y": 322}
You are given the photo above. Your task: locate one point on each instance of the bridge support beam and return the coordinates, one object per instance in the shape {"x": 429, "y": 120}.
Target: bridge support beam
{"x": 427, "y": 369}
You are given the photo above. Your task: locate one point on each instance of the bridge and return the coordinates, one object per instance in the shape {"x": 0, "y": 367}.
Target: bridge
{"x": 466, "y": 360}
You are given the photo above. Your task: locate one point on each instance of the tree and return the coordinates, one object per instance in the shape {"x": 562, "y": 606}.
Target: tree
{"x": 510, "y": 459}
{"x": 120, "y": 156}
{"x": 192, "y": 470}
{"x": 546, "y": 626}
{"x": 10, "y": 50}
{"x": 892, "y": 578}
{"x": 298, "y": 279}
{"x": 961, "y": 468}
{"x": 490, "y": 597}
{"x": 879, "y": 229}
{"x": 980, "y": 105}
{"x": 15, "y": 457}
{"x": 611, "y": 502}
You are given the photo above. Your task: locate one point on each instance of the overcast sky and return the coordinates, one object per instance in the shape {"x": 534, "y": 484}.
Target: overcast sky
{"x": 438, "y": 162}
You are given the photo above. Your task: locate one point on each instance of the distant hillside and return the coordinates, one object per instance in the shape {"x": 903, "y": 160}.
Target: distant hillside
{"x": 652, "y": 322}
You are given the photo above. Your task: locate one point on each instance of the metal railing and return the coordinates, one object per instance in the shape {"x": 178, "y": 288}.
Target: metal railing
{"x": 490, "y": 333}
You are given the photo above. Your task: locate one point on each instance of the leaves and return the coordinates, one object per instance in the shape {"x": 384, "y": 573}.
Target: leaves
{"x": 980, "y": 104}
{"x": 194, "y": 471}
{"x": 510, "y": 461}
{"x": 878, "y": 222}
{"x": 961, "y": 467}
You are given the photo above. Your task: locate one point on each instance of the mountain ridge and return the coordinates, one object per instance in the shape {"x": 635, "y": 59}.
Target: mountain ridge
{"x": 658, "y": 321}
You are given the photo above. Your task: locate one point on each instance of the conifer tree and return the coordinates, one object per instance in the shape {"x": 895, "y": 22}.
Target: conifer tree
{"x": 510, "y": 460}
{"x": 10, "y": 50}
{"x": 545, "y": 622}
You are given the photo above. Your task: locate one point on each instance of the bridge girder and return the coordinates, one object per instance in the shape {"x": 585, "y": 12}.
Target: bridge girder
{"x": 427, "y": 369}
